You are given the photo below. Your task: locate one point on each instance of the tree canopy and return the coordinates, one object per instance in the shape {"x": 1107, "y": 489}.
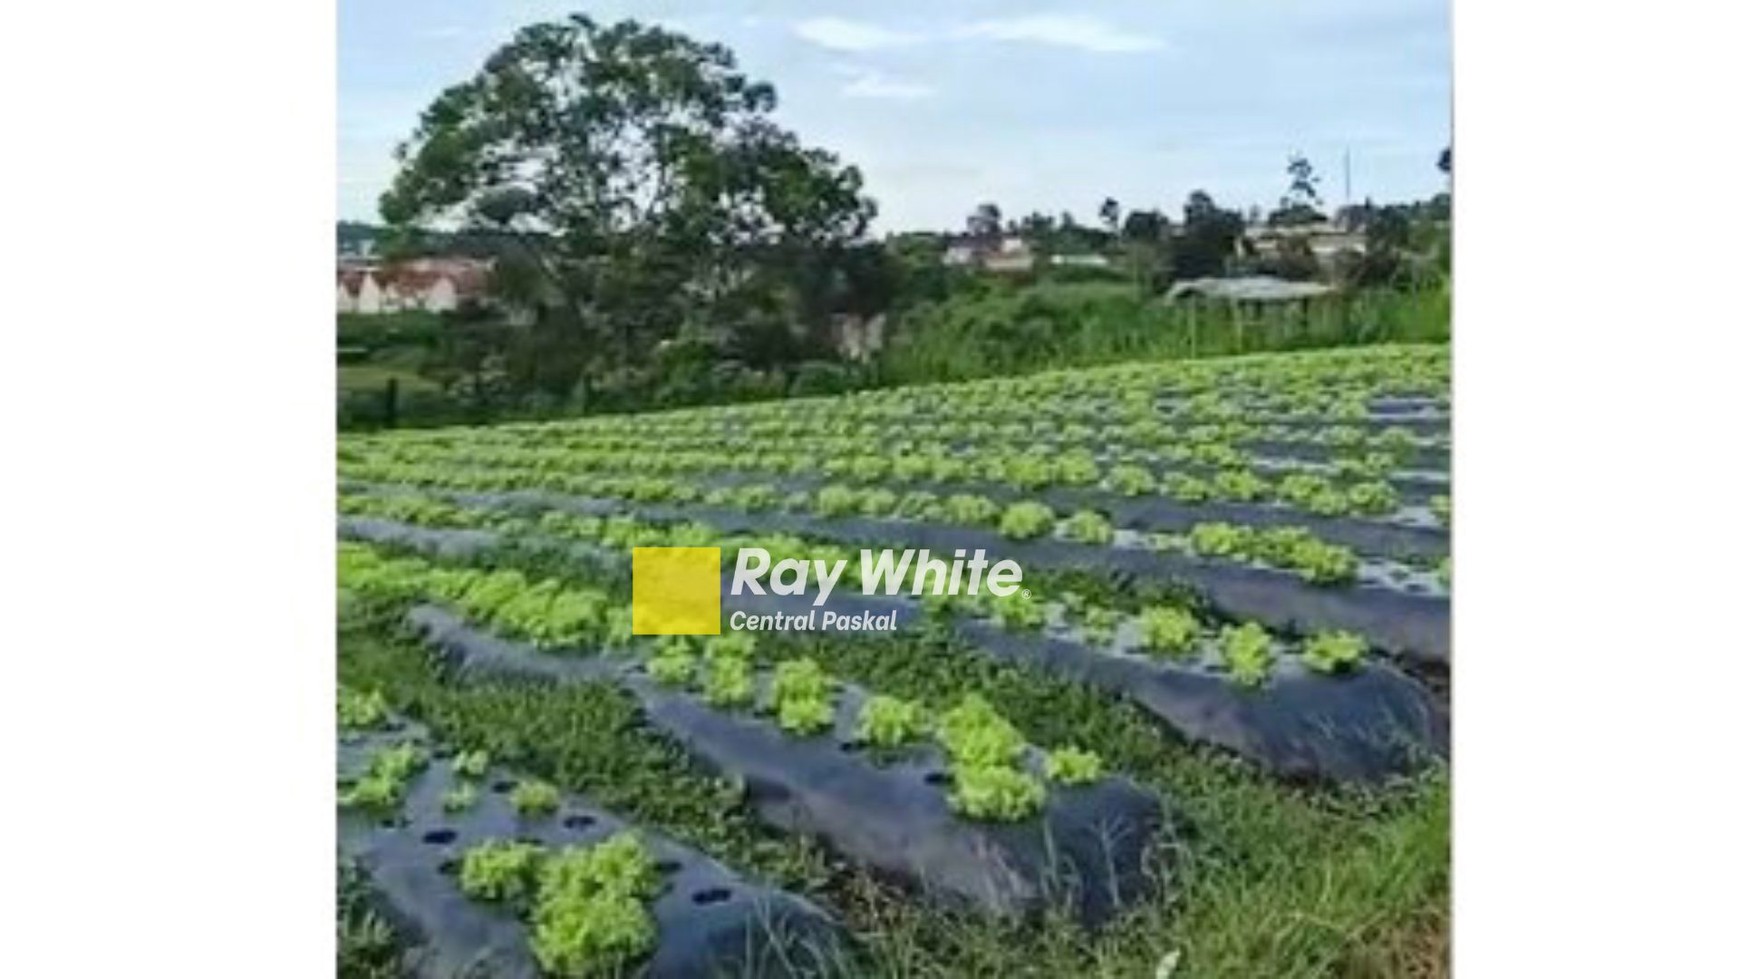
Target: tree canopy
{"x": 644, "y": 179}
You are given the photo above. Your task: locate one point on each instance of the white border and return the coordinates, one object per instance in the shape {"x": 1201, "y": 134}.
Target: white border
{"x": 168, "y": 412}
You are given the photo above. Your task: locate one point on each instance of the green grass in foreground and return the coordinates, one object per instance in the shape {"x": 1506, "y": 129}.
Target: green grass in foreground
{"x": 1276, "y": 881}
{"x": 373, "y": 378}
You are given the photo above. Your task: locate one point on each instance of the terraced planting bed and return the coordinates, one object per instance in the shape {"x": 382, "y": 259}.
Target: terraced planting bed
{"x": 1220, "y": 684}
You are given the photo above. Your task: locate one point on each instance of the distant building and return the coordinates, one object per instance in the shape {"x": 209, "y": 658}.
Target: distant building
{"x": 1007, "y": 254}
{"x": 1326, "y": 239}
{"x": 435, "y": 285}
{"x": 1247, "y": 289}
{"x": 858, "y": 338}
{"x": 1088, "y": 260}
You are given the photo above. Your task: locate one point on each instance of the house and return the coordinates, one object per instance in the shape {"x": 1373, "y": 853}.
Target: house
{"x": 435, "y": 285}
{"x": 1004, "y": 254}
{"x": 359, "y": 292}
{"x": 1326, "y": 239}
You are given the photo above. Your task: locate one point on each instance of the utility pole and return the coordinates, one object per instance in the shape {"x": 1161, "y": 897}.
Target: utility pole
{"x": 1346, "y": 177}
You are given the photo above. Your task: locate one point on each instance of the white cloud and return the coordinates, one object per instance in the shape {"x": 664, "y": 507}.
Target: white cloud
{"x": 1065, "y": 30}
{"x": 851, "y": 35}
{"x": 870, "y": 84}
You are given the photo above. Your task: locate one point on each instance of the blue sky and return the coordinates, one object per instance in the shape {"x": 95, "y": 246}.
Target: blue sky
{"x": 1047, "y": 105}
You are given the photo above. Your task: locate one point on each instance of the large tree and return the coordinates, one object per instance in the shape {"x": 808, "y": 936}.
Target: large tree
{"x": 1210, "y": 236}
{"x": 642, "y": 175}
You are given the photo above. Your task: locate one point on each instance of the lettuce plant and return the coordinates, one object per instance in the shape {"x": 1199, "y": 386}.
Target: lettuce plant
{"x": 889, "y": 722}
{"x": 836, "y": 501}
{"x": 1099, "y": 624}
{"x": 535, "y": 798}
{"x": 381, "y": 788}
{"x": 461, "y": 797}
{"x": 802, "y": 697}
{"x": 996, "y": 793}
{"x": 877, "y": 501}
{"x": 1018, "y": 611}
{"x": 1168, "y": 631}
{"x": 471, "y": 764}
{"x": 1372, "y": 498}
{"x": 591, "y": 914}
{"x": 1077, "y": 467}
{"x": 1128, "y": 480}
{"x": 360, "y": 711}
{"x": 738, "y": 644}
{"x": 1026, "y": 520}
{"x": 1028, "y": 472}
{"x": 500, "y": 870}
{"x": 919, "y": 505}
{"x": 969, "y": 509}
{"x": 1241, "y": 485}
{"x": 1331, "y": 652}
{"x": 1220, "y": 539}
{"x": 729, "y": 683}
{"x": 1186, "y": 488}
{"x": 1248, "y": 653}
{"x": 1087, "y": 527}
{"x": 1325, "y": 564}
{"x": 1440, "y": 508}
{"x": 1070, "y": 765}
{"x": 974, "y": 734}
{"x": 672, "y": 666}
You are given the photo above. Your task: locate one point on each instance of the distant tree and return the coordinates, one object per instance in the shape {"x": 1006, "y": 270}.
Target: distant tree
{"x": 1147, "y": 249}
{"x": 1145, "y": 226}
{"x": 1209, "y": 238}
{"x": 986, "y": 222}
{"x": 1109, "y": 214}
{"x": 1303, "y": 180}
{"x": 1299, "y": 205}
{"x": 1444, "y": 161}
{"x": 641, "y": 172}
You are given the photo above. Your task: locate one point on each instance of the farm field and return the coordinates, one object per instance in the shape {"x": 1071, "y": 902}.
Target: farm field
{"x": 1209, "y": 737}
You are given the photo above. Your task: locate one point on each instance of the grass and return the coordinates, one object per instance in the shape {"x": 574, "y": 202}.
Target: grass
{"x": 1276, "y": 881}
{"x": 372, "y": 378}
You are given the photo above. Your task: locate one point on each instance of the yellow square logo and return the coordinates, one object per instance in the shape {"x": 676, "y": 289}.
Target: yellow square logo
{"x": 676, "y": 591}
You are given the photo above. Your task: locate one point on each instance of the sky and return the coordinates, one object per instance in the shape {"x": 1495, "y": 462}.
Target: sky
{"x": 1032, "y": 104}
